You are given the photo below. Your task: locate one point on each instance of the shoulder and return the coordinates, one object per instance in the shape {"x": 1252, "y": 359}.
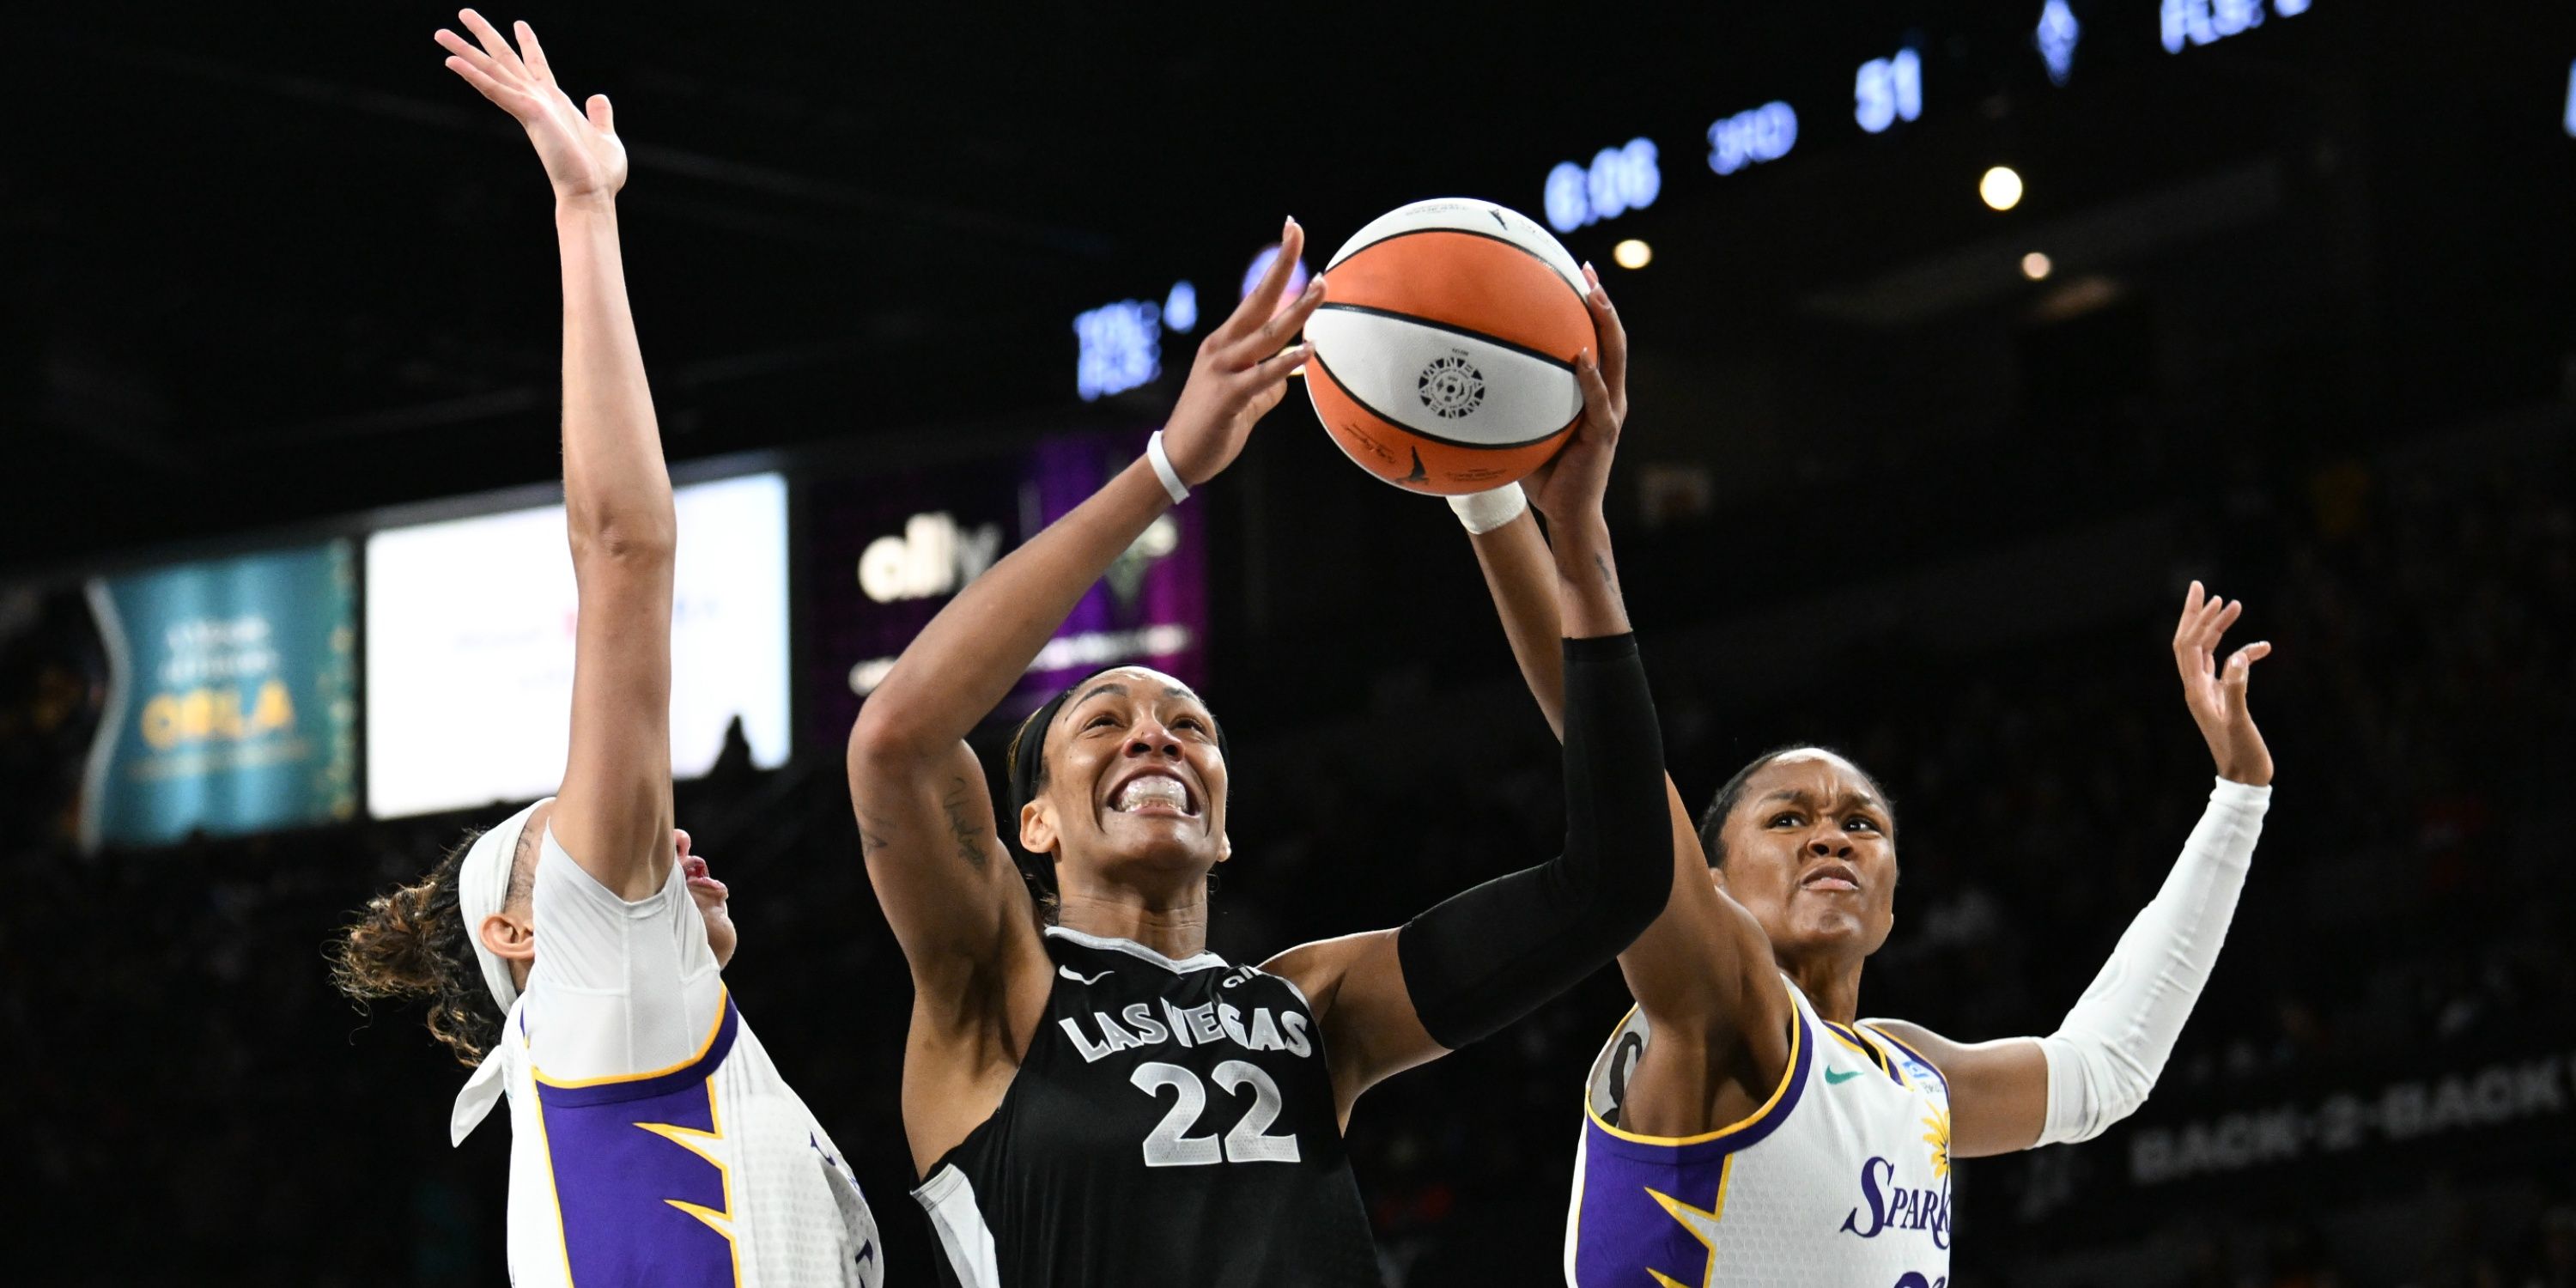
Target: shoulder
{"x": 1318, "y": 970}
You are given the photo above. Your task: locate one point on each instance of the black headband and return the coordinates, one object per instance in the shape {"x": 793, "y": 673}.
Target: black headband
{"x": 1028, "y": 753}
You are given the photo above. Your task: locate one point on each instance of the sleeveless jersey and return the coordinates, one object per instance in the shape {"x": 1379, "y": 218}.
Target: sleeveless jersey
{"x": 1171, "y": 1126}
{"x": 1840, "y": 1179}
{"x": 705, "y": 1171}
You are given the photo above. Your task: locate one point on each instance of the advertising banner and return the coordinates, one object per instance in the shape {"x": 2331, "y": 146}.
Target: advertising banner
{"x": 891, "y": 549}
{"x": 231, "y": 698}
{"x": 470, "y": 648}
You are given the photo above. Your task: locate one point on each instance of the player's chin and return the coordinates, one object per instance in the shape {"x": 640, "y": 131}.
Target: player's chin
{"x": 1163, "y": 843}
{"x": 1836, "y": 928}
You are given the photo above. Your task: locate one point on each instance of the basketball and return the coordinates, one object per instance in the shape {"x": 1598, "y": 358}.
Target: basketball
{"x": 1444, "y": 356}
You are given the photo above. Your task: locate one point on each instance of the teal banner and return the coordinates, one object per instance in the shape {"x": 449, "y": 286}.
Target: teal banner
{"x": 232, "y": 701}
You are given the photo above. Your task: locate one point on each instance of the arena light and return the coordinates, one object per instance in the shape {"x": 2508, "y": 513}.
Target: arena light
{"x": 2056, "y": 38}
{"x": 2571, "y": 100}
{"x": 1181, "y": 307}
{"x": 1121, "y": 347}
{"x": 2001, "y": 187}
{"x": 2036, "y": 266}
{"x": 1632, "y": 253}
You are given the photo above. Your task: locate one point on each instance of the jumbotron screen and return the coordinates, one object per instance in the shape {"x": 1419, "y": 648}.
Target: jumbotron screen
{"x": 469, "y": 647}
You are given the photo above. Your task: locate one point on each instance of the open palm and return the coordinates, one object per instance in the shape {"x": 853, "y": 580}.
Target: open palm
{"x": 579, "y": 145}
{"x": 2215, "y": 691}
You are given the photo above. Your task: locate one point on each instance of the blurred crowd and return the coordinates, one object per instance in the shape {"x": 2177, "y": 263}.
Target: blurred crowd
{"x": 209, "y": 1111}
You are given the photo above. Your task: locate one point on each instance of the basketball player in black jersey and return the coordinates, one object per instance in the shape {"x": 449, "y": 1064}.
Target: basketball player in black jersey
{"x": 1092, "y": 1097}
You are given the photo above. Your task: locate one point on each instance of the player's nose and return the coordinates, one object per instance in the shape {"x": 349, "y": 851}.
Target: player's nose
{"x": 1150, "y": 737}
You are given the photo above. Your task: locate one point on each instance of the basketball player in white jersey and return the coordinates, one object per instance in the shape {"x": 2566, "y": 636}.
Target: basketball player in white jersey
{"x": 653, "y": 1142}
{"x": 1743, "y": 1126}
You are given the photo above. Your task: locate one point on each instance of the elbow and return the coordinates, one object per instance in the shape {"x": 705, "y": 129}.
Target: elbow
{"x": 883, "y": 738}
{"x": 632, "y": 545}
{"x": 625, "y": 535}
{"x": 1627, "y": 897}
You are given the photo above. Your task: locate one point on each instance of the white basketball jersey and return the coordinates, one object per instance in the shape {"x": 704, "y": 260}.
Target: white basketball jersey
{"x": 1840, "y": 1180}
{"x": 699, "y": 1168}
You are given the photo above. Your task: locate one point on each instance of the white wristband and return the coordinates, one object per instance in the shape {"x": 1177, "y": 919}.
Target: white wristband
{"x": 1162, "y": 462}
{"x": 1482, "y": 512}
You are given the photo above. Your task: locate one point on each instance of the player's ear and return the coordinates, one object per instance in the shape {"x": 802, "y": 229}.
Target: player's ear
{"x": 1037, "y": 827}
{"x": 509, "y": 935}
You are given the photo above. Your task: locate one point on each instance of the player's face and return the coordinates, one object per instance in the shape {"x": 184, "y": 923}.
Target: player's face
{"x": 1808, "y": 853}
{"x": 1133, "y": 776}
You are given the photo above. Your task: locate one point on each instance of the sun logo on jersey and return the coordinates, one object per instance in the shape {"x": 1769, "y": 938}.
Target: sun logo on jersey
{"x": 1939, "y": 1139}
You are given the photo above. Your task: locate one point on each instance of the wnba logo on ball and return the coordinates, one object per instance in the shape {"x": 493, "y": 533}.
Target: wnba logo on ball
{"x": 1451, "y": 387}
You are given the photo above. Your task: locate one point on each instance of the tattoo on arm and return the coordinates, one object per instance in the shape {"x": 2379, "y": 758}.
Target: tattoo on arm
{"x": 1611, "y": 580}
{"x": 959, "y": 804}
{"x": 874, "y": 835}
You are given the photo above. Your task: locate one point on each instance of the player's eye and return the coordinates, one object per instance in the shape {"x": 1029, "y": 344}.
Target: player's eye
{"x": 1788, "y": 819}
{"x": 1104, "y": 718}
{"x": 1189, "y": 722}
{"x": 1860, "y": 823}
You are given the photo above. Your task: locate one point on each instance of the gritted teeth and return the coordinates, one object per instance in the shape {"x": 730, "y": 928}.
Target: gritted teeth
{"x": 1152, "y": 789}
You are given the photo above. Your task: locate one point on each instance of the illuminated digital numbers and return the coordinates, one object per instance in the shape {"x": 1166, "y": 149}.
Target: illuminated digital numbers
{"x": 1888, "y": 90}
{"x": 1764, "y": 133}
{"x": 1619, "y": 180}
{"x": 1122, "y": 347}
{"x": 2206, "y": 22}
{"x": 2056, "y": 38}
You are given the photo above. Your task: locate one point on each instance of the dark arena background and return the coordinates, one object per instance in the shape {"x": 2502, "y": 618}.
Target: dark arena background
{"x": 2287, "y": 303}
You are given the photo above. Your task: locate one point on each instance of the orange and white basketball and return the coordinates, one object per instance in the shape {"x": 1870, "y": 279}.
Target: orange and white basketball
{"x": 1444, "y": 354}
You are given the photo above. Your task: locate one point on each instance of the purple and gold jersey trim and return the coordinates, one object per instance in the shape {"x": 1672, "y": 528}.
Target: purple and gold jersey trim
{"x": 1865, "y": 1044}
{"x": 1918, "y": 1057}
{"x": 1647, "y": 1209}
{"x": 711, "y": 1052}
{"x": 1710, "y": 1146}
{"x": 642, "y": 1190}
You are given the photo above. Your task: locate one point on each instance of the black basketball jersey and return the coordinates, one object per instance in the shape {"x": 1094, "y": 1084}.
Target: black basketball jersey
{"x": 1171, "y": 1127}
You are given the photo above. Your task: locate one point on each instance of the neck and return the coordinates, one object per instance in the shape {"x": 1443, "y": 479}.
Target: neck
{"x": 1832, "y": 985}
{"x": 1177, "y": 930}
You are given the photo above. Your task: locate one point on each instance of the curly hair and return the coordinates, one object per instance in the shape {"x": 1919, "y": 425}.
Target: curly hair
{"x": 413, "y": 943}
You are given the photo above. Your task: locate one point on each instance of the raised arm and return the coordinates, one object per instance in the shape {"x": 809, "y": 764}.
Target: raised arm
{"x": 2104, "y": 1058}
{"x": 1704, "y": 966}
{"x": 925, "y": 817}
{"x": 1389, "y": 1000}
{"x": 613, "y": 813}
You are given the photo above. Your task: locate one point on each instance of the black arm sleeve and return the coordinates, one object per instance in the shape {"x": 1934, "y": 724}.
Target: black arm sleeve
{"x": 1480, "y": 960}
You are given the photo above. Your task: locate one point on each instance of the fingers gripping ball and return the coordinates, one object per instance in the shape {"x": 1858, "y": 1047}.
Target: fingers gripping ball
{"x": 1444, "y": 357}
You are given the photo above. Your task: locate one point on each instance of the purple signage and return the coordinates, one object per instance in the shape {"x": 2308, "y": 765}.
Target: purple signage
{"x": 892, "y": 548}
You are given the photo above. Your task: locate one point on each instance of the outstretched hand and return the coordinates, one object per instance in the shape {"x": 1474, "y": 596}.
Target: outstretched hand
{"x": 2216, "y": 693}
{"x": 1572, "y": 484}
{"x": 579, "y": 145}
{"x": 1242, "y": 369}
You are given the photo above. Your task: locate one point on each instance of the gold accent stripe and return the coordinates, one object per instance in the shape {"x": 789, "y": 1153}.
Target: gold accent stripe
{"x": 1797, "y": 1038}
{"x": 706, "y": 1044}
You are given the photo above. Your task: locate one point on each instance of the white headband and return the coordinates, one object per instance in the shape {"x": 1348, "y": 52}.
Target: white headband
{"x": 482, "y": 886}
